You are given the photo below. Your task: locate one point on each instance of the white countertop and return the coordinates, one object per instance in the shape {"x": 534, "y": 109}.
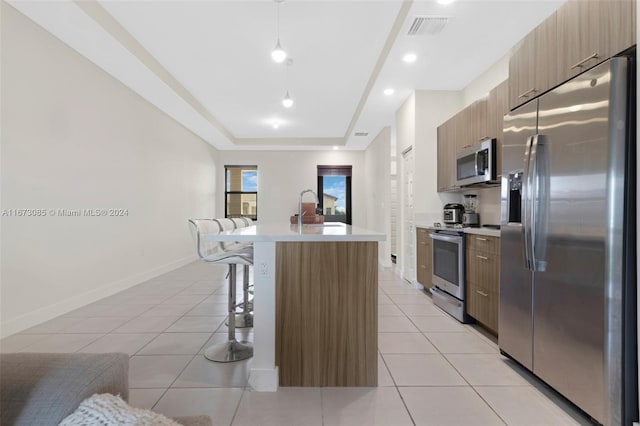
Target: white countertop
{"x": 269, "y": 232}
{"x": 489, "y": 232}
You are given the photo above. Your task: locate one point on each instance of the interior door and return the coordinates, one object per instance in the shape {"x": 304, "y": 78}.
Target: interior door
{"x": 409, "y": 232}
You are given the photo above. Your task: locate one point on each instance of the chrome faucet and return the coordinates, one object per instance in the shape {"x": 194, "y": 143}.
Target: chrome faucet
{"x": 300, "y": 204}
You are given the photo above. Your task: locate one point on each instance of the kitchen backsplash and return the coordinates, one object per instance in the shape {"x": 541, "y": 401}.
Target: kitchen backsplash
{"x": 488, "y": 204}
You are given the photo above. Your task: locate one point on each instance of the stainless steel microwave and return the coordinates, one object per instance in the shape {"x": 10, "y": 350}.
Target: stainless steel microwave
{"x": 477, "y": 164}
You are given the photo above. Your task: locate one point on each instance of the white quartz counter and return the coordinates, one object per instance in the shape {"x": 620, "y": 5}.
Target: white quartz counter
{"x": 274, "y": 232}
{"x": 489, "y": 232}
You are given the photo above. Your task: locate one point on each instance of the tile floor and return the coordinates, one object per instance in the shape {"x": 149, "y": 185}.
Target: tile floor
{"x": 432, "y": 369}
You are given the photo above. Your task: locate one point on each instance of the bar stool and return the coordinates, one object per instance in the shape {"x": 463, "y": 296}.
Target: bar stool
{"x": 232, "y": 255}
{"x": 245, "y": 319}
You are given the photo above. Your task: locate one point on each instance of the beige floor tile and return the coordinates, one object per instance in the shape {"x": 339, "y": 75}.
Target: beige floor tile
{"x": 384, "y": 377}
{"x": 422, "y": 309}
{"x": 286, "y": 407}
{"x": 242, "y": 335}
{"x": 409, "y": 291}
{"x": 410, "y": 299}
{"x": 202, "y": 373}
{"x": 147, "y": 325}
{"x": 62, "y": 343}
{"x": 127, "y": 343}
{"x": 404, "y": 343}
{"x": 526, "y": 406}
{"x": 145, "y": 398}
{"x": 176, "y": 344}
{"x": 396, "y": 324}
{"x": 389, "y": 311}
{"x": 460, "y": 343}
{"x": 167, "y": 310}
{"x": 363, "y": 407}
{"x": 157, "y": 371}
{"x": 384, "y": 300}
{"x": 219, "y": 404}
{"x": 437, "y": 324}
{"x": 17, "y": 342}
{"x": 185, "y": 299}
{"x": 96, "y": 325}
{"x": 208, "y": 308}
{"x": 422, "y": 370}
{"x": 448, "y": 406}
{"x": 203, "y": 324}
{"x": 124, "y": 311}
{"x": 488, "y": 369}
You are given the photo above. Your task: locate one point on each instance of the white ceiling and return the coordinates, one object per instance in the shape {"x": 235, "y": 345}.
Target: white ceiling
{"x": 223, "y": 85}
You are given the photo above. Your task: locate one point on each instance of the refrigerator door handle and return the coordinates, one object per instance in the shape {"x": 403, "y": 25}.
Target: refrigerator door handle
{"x": 526, "y": 203}
{"x": 538, "y": 204}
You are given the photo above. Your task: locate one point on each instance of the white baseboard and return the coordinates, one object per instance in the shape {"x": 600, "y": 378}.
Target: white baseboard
{"x": 46, "y": 313}
{"x": 264, "y": 380}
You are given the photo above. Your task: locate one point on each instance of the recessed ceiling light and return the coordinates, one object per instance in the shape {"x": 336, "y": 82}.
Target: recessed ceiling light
{"x": 446, "y": 1}
{"x": 389, "y": 91}
{"x": 410, "y": 57}
{"x": 335, "y": 148}
{"x": 276, "y": 125}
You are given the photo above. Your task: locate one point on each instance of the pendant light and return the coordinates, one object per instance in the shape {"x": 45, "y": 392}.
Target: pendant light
{"x": 278, "y": 54}
{"x": 287, "y": 101}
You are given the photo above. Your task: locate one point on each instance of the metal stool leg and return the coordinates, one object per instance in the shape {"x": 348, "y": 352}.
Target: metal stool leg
{"x": 231, "y": 350}
{"x": 244, "y": 319}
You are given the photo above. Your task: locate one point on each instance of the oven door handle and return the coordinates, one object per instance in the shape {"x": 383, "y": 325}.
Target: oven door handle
{"x": 447, "y": 238}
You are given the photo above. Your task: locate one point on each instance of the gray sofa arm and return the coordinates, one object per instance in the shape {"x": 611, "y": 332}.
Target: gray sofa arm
{"x": 43, "y": 389}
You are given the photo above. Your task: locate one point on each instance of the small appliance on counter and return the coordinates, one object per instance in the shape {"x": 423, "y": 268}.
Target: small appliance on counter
{"x": 452, "y": 213}
{"x": 470, "y": 216}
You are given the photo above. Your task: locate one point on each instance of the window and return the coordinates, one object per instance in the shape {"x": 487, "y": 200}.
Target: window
{"x": 334, "y": 193}
{"x": 241, "y": 191}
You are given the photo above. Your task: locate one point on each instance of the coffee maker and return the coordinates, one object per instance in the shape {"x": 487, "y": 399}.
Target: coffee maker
{"x": 471, "y": 216}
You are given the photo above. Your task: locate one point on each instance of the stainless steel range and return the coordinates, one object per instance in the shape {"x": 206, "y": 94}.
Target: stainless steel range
{"x": 448, "y": 276}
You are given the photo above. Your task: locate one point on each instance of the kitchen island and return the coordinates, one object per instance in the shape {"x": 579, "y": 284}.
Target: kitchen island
{"x": 315, "y": 304}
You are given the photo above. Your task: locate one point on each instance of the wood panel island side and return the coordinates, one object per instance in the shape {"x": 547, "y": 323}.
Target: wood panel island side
{"x": 315, "y": 304}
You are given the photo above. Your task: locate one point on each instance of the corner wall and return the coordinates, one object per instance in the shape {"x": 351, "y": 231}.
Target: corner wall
{"x": 377, "y": 164}
{"x": 74, "y": 138}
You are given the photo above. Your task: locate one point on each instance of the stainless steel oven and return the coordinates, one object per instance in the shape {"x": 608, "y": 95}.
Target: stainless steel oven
{"x": 448, "y": 277}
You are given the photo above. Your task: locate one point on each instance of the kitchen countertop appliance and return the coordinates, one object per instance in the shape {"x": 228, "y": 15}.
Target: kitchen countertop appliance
{"x": 568, "y": 239}
{"x": 452, "y": 213}
{"x": 471, "y": 216}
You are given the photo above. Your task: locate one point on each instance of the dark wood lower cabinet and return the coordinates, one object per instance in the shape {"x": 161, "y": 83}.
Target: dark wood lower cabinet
{"x": 423, "y": 257}
{"x": 483, "y": 269}
{"x": 327, "y": 313}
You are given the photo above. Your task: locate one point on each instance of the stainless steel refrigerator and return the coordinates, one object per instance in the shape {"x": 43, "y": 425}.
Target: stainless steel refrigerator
{"x": 567, "y": 255}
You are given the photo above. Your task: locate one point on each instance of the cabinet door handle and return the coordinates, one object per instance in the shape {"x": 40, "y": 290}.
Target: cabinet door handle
{"x": 482, "y": 257}
{"x": 480, "y": 239}
{"x": 482, "y": 293}
{"x": 587, "y": 59}
{"x": 423, "y": 267}
{"x": 527, "y": 93}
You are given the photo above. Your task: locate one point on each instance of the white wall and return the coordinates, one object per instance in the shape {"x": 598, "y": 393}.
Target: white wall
{"x": 490, "y": 78}
{"x": 377, "y": 166}
{"x": 72, "y": 138}
{"x": 282, "y": 175}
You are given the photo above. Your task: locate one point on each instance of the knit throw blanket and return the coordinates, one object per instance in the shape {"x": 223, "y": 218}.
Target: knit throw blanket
{"x": 106, "y": 409}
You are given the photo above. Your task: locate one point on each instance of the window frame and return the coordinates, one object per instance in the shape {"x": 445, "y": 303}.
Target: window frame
{"x": 227, "y": 192}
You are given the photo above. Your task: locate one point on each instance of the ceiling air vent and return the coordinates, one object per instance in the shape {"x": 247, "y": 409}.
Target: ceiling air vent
{"x": 361, "y": 133}
{"x": 427, "y": 25}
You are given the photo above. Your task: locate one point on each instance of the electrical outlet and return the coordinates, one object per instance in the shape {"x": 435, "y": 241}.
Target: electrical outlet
{"x": 263, "y": 269}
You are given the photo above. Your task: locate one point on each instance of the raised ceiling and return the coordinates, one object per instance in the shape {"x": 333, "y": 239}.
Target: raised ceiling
{"x": 207, "y": 63}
